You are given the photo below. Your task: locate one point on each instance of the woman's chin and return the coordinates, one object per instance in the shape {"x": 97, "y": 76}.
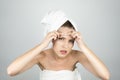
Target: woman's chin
{"x": 62, "y": 55}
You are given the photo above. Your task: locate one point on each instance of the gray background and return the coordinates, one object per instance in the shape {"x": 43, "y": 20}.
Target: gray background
{"x": 20, "y": 30}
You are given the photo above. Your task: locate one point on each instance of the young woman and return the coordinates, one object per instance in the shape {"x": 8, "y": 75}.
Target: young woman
{"x": 59, "y": 62}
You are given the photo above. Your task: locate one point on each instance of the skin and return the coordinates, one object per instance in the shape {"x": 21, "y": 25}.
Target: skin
{"x": 61, "y": 56}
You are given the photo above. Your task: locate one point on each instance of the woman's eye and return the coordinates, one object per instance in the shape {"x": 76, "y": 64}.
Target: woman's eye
{"x": 72, "y": 41}
{"x": 61, "y": 38}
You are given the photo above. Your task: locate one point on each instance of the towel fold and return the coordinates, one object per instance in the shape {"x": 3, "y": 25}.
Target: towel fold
{"x": 54, "y": 19}
{"x": 60, "y": 75}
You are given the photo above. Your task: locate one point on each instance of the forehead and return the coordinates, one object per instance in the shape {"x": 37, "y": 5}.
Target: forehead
{"x": 65, "y": 30}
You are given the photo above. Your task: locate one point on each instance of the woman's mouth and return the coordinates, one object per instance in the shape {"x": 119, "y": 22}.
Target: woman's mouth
{"x": 63, "y": 52}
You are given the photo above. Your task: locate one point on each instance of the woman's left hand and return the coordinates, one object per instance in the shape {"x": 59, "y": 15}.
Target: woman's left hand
{"x": 78, "y": 38}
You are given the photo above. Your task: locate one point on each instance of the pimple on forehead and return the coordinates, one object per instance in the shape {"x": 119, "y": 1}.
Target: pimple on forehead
{"x": 65, "y": 35}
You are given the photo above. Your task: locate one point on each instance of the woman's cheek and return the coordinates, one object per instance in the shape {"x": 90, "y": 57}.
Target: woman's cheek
{"x": 58, "y": 43}
{"x": 71, "y": 45}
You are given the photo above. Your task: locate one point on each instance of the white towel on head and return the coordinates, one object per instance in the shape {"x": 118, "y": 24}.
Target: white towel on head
{"x": 54, "y": 19}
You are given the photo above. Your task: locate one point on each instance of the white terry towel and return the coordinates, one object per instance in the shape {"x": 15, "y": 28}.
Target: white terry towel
{"x": 54, "y": 19}
{"x": 60, "y": 75}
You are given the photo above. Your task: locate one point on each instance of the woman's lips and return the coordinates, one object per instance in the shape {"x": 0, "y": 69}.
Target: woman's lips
{"x": 63, "y": 51}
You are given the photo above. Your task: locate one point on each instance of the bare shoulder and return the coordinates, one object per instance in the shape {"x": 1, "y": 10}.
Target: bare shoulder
{"x": 42, "y": 58}
{"x": 43, "y": 54}
{"x": 46, "y": 52}
{"x": 77, "y": 52}
{"x": 80, "y": 55}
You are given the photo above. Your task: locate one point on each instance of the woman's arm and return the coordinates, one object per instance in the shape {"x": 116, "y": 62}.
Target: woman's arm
{"x": 90, "y": 61}
{"x": 30, "y": 58}
{"x": 25, "y": 61}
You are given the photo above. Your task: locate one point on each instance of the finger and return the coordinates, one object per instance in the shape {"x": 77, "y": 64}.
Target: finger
{"x": 51, "y": 35}
{"x": 57, "y": 34}
{"x": 75, "y": 34}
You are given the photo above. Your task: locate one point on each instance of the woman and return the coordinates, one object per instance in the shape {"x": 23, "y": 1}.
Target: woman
{"x": 59, "y": 62}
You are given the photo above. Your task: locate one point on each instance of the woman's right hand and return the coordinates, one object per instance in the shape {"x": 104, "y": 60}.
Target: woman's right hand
{"x": 51, "y": 35}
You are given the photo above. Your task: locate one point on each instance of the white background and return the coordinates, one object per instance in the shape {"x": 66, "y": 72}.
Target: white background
{"x": 20, "y": 30}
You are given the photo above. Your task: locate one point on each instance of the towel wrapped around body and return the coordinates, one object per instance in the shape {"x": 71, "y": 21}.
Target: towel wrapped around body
{"x": 60, "y": 75}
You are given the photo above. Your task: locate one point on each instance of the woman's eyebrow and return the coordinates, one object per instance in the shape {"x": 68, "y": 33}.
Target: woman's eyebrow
{"x": 59, "y": 31}
{"x": 72, "y": 39}
{"x": 71, "y": 31}
{"x": 62, "y": 37}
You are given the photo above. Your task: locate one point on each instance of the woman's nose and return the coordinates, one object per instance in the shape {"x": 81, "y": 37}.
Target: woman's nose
{"x": 65, "y": 44}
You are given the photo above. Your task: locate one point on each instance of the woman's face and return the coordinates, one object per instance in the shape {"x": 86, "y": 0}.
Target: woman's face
{"x": 62, "y": 46}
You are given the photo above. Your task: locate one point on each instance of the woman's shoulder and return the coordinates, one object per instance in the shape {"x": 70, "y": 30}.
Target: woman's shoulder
{"x": 79, "y": 54}
{"x": 46, "y": 52}
{"x": 43, "y": 54}
{"x": 76, "y": 51}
